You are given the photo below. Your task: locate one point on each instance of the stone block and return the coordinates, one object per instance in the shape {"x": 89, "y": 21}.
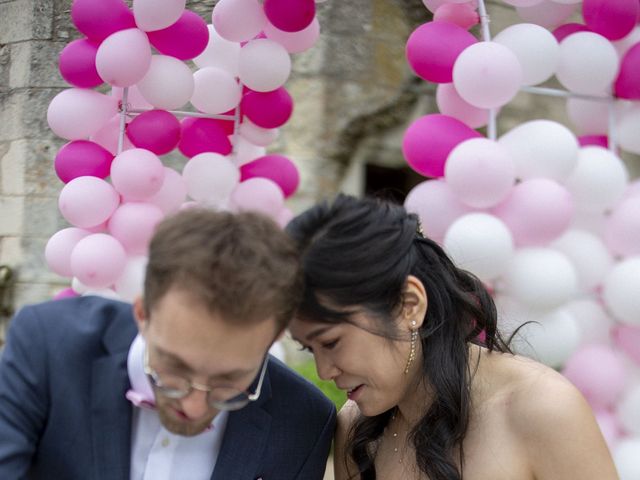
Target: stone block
{"x": 32, "y": 65}
{"x": 11, "y": 251}
{"x": 347, "y": 57}
{"x": 353, "y": 17}
{"x": 40, "y": 175}
{"x": 23, "y": 114}
{"x": 11, "y": 215}
{"x": 33, "y": 266}
{"x": 41, "y": 217}
{"x": 25, "y": 20}
{"x": 12, "y": 168}
{"x": 29, "y": 293}
{"x": 5, "y": 64}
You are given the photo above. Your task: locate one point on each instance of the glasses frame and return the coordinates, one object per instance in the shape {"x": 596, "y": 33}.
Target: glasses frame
{"x": 154, "y": 378}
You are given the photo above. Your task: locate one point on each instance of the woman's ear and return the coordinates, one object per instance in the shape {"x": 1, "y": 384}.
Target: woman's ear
{"x": 414, "y": 302}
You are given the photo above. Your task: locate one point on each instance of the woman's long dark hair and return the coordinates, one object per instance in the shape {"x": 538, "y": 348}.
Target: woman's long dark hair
{"x": 359, "y": 252}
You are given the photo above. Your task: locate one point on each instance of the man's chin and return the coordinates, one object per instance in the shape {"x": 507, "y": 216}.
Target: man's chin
{"x": 184, "y": 428}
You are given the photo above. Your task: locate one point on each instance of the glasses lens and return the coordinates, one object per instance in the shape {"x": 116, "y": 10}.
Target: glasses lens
{"x": 171, "y": 386}
{"x": 227, "y": 399}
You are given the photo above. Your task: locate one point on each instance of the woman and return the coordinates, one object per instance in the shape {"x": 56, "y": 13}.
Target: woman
{"x": 392, "y": 321}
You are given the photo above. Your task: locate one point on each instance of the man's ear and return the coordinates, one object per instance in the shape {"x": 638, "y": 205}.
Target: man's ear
{"x": 414, "y": 302}
{"x": 140, "y": 314}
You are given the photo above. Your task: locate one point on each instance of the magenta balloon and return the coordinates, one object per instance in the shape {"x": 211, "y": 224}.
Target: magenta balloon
{"x": 274, "y": 167}
{"x": 433, "y": 48}
{"x": 200, "y": 135}
{"x": 98, "y": 19}
{"x": 627, "y": 337}
{"x": 536, "y": 211}
{"x": 268, "y": 109}
{"x": 156, "y": 130}
{"x": 82, "y": 158}
{"x": 429, "y": 140}
{"x": 290, "y": 16}
{"x": 133, "y": 224}
{"x": 66, "y": 293}
{"x": 78, "y": 64}
{"x": 462, "y": 14}
{"x": 563, "y": 31}
{"x": 627, "y": 84}
{"x": 622, "y": 228}
{"x": 185, "y": 39}
{"x": 598, "y": 140}
{"x": 613, "y": 19}
{"x": 57, "y": 253}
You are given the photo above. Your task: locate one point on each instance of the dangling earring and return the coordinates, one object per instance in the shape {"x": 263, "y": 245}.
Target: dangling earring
{"x": 414, "y": 341}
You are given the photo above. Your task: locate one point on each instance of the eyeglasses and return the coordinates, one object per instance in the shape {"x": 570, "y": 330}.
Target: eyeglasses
{"x": 220, "y": 398}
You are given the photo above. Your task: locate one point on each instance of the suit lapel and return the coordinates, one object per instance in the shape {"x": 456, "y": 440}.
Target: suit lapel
{"x": 245, "y": 439}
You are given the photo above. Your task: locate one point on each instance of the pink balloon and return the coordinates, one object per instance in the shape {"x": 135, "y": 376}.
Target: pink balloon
{"x": 258, "y": 195}
{"x": 598, "y": 372}
{"x": 284, "y": 217}
{"x": 137, "y": 174}
{"x": 462, "y": 14}
{"x": 290, "y": 16}
{"x": 124, "y": 58}
{"x": 98, "y": 19}
{"x": 66, "y": 293}
{"x": 450, "y": 103}
{"x": 77, "y": 113}
{"x": 185, "y": 39}
{"x": 598, "y": 140}
{"x": 609, "y": 426}
{"x": 107, "y": 137}
{"x": 274, "y": 167}
{"x": 59, "y": 248}
{"x": 135, "y": 100}
{"x": 433, "y": 48}
{"x": 613, "y": 19}
{"x": 87, "y": 201}
{"x": 98, "y": 260}
{"x": 627, "y": 84}
{"x": 200, "y": 135}
{"x": 172, "y": 194}
{"x": 622, "y": 228}
{"x": 295, "y": 42}
{"x": 78, "y": 64}
{"x": 82, "y": 158}
{"x": 429, "y": 140}
{"x": 268, "y": 109}
{"x": 627, "y": 337}
{"x": 563, "y": 31}
{"x": 437, "y": 206}
{"x": 156, "y": 130}
{"x": 238, "y": 20}
{"x": 133, "y": 224}
{"x": 536, "y": 211}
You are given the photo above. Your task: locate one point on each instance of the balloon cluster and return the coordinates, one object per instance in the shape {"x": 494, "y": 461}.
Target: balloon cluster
{"x": 549, "y": 221}
{"x": 156, "y": 61}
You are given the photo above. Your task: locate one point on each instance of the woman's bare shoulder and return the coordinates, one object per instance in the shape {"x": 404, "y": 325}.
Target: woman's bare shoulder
{"x": 347, "y": 416}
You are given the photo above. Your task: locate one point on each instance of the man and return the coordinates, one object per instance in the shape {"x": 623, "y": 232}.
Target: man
{"x": 191, "y": 393}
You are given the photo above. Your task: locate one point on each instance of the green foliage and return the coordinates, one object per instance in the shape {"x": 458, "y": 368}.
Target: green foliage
{"x": 308, "y": 370}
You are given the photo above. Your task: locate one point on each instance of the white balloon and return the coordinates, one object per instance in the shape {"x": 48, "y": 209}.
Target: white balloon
{"x": 623, "y": 45}
{"x": 219, "y": 53}
{"x": 593, "y": 322}
{"x": 598, "y": 181}
{"x": 536, "y": 48}
{"x": 593, "y": 222}
{"x": 264, "y": 65}
{"x": 238, "y": 20}
{"x": 451, "y": 103}
{"x": 629, "y": 410}
{"x": 546, "y": 13}
{"x": 588, "y": 63}
{"x": 258, "y": 135}
{"x": 628, "y": 126}
{"x": 215, "y": 91}
{"x": 523, "y": 3}
{"x": 589, "y": 256}
{"x": 625, "y": 455}
{"x": 246, "y": 152}
{"x": 540, "y": 278}
{"x": 210, "y": 178}
{"x": 621, "y": 292}
{"x": 481, "y": 244}
{"x": 168, "y": 84}
{"x": 588, "y": 116}
{"x": 130, "y": 285}
{"x": 151, "y": 16}
{"x": 542, "y": 148}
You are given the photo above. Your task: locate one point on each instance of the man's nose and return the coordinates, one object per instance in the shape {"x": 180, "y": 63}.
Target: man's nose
{"x": 195, "y": 404}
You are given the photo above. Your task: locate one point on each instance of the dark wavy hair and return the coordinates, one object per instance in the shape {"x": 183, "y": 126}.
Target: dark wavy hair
{"x": 359, "y": 252}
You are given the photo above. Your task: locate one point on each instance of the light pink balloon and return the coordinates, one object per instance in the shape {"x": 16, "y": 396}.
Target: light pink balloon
{"x": 284, "y": 217}
{"x": 107, "y": 137}
{"x": 59, "y": 248}
{"x": 77, "y": 113}
{"x": 599, "y": 373}
{"x": 172, "y": 194}
{"x": 210, "y": 178}
{"x": 133, "y": 224}
{"x": 462, "y": 14}
{"x": 536, "y": 211}
{"x": 135, "y": 100}
{"x": 613, "y": 19}
{"x": 258, "y": 135}
{"x": 295, "y": 42}
{"x": 609, "y": 426}
{"x": 238, "y": 20}
{"x": 98, "y": 260}
{"x": 480, "y": 172}
{"x": 264, "y": 65}
{"x": 622, "y": 228}
{"x": 137, "y": 174}
{"x": 487, "y": 75}
{"x": 627, "y": 337}
{"x": 437, "y": 206}
{"x": 123, "y": 58}
{"x": 87, "y": 201}
{"x": 258, "y": 195}
{"x": 547, "y": 14}
{"x": 150, "y": 17}
{"x": 168, "y": 85}
{"x": 216, "y": 91}
{"x": 450, "y": 103}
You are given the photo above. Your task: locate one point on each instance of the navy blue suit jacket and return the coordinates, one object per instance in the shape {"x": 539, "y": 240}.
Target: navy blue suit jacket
{"x": 64, "y": 415}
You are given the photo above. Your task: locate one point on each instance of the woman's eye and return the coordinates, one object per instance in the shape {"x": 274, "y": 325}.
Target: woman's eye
{"x": 330, "y": 345}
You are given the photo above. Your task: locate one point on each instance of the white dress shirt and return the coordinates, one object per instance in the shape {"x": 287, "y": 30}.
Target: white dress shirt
{"x": 156, "y": 453}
